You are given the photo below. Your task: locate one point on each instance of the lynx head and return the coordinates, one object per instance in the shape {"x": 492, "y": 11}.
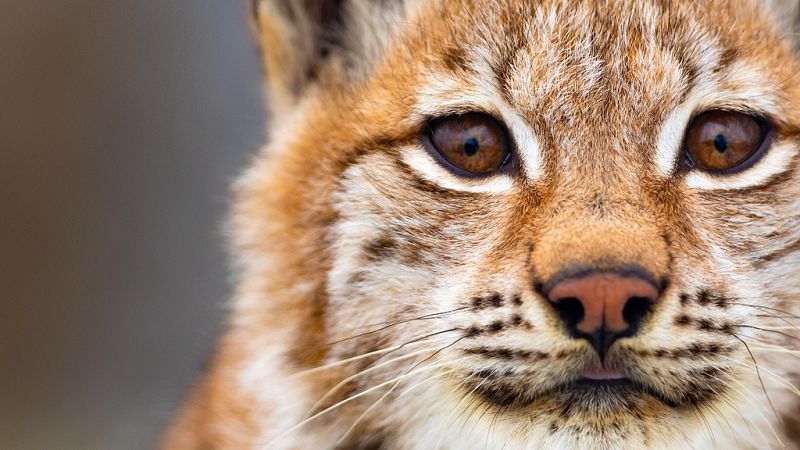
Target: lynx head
{"x": 517, "y": 224}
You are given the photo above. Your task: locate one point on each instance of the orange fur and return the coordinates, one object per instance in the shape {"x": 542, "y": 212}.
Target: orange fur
{"x": 343, "y": 237}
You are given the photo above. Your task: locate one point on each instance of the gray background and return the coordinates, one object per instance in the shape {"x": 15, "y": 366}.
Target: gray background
{"x": 122, "y": 124}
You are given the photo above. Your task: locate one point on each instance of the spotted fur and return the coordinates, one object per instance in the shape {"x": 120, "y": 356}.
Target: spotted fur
{"x": 384, "y": 302}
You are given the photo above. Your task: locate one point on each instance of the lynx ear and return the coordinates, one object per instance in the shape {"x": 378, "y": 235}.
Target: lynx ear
{"x": 301, "y": 39}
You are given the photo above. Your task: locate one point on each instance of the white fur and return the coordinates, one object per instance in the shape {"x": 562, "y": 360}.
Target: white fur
{"x": 774, "y": 162}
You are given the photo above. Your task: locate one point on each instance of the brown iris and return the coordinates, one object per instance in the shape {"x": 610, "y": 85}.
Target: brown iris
{"x": 475, "y": 143}
{"x": 723, "y": 140}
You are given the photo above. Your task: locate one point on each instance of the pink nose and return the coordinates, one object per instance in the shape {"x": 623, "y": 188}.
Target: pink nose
{"x": 603, "y": 306}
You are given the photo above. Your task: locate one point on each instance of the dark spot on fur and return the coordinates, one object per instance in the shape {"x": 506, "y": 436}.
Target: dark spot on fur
{"x": 494, "y": 300}
{"x": 476, "y": 351}
{"x": 506, "y": 353}
{"x": 679, "y": 353}
{"x": 455, "y": 59}
{"x": 516, "y": 320}
{"x": 703, "y": 385}
{"x": 477, "y": 302}
{"x": 720, "y": 301}
{"x": 516, "y": 300}
{"x": 729, "y": 55}
{"x": 727, "y": 328}
{"x": 380, "y": 248}
{"x": 684, "y": 299}
{"x": 703, "y": 298}
{"x": 705, "y": 325}
{"x": 496, "y": 326}
{"x": 499, "y": 395}
{"x": 473, "y": 331}
{"x": 683, "y": 320}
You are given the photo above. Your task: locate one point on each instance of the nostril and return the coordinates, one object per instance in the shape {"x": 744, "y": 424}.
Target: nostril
{"x": 634, "y": 312}
{"x": 571, "y": 312}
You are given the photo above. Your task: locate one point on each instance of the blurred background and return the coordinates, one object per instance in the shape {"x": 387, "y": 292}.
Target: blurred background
{"x": 122, "y": 124}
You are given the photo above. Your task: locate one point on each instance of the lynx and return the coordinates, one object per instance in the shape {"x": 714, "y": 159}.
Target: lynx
{"x": 516, "y": 224}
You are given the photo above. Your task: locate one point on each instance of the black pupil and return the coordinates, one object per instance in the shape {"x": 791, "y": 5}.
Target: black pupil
{"x": 721, "y": 143}
{"x": 471, "y": 146}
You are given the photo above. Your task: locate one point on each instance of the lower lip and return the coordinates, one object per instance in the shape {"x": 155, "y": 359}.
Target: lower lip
{"x": 603, "y": 374}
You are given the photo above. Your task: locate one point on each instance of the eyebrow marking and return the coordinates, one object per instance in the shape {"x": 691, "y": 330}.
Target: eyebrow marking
{"x": 670, "y": 139}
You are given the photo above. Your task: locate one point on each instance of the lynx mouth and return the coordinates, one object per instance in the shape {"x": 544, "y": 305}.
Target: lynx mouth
{"x": 614, "y": 393}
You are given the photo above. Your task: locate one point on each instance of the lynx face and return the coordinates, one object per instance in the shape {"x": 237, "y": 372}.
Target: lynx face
{"x": 519, "y": 224}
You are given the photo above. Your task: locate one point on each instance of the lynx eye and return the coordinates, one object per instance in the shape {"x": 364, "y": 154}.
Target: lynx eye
{"x": 722, "y": 141}
{"x": 476, "y": 144}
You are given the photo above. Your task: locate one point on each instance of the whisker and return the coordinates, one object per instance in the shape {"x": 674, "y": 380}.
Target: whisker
{"x": 793, "y": 353}
{"x": 439, "y": 351}
{"x": 786, "y": 383}
{"x": 477, "y": 404}
{"x": 365, "y": 371}
{"x": 442, "y": 374}
{"x": 436, "y": 315}
{"x": 756, "y": 408}
{"x": 351, "y": 359}
{"x": 758, "y": 372}
{"x": 749, "y": 399}
{"x": 350, "y": 399}
{"x": 491, "y": 428}
{"x": 699, "y": 414}
{"x": 723, "y": 420}
{"x": 768, "y": 330}
{"x": 775, "y": 316}
{"x": 715, "y": 415}
{"x": 458, "y": 405}
{"x": 386, "y": 394}
{"x": 771, "y": 344}
{"x": 767, "y": 308}
{"x": 366, "y": 411}
{"x": 367, "y": 333}
{"x": 782, "y": 328}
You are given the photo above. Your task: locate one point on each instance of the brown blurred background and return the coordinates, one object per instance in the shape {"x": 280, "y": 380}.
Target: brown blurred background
{"x": 122, "y": 124}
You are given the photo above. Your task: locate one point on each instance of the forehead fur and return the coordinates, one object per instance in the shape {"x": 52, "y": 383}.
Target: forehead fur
{"x": 619, "y": 65}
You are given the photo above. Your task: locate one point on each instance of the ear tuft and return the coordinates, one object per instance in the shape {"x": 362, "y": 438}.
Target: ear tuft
{"x": 302, "y": 38}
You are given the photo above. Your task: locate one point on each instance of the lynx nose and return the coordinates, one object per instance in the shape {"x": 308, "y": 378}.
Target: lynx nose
{"x": 603, "y": 307}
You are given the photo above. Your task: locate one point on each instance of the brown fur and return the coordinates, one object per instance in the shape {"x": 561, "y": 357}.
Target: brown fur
{"x": 335, "y": 231}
